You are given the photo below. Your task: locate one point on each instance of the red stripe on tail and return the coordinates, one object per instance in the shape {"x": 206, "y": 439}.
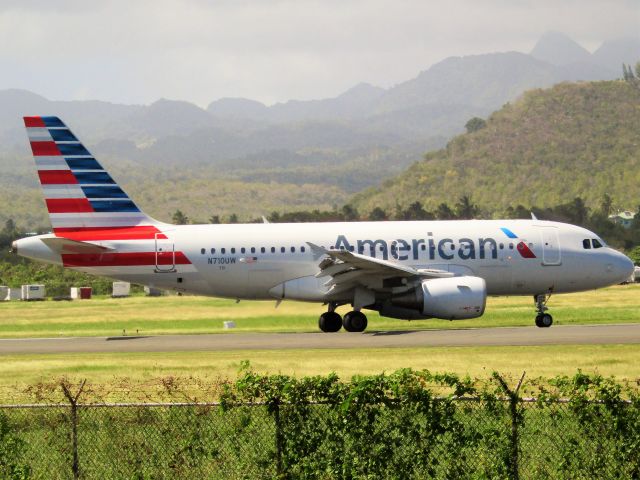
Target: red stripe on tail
{"x": 141, "y": 232}
{"x": 33, "y": 122}
{"x": 57, "y": 177}
{"x": 41, "y": 149}
{"x": 68, "y": 205}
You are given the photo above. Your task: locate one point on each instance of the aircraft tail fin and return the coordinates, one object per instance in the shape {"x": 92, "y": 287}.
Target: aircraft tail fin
{"x": 83, "y": 200}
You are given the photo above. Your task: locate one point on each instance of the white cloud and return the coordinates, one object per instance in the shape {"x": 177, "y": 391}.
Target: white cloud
{"x": 200, "y": 50}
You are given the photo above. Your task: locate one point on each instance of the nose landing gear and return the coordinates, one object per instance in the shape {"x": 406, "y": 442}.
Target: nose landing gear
{"x": 543, "y": 320}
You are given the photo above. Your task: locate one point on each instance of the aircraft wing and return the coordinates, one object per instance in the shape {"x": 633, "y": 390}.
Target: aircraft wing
{"x": 349, "y": 270}
{"x": 65, "y": 245}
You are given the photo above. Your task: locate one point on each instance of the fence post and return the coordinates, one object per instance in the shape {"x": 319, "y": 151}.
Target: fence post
{"x": 278, "y": 426}
{"x": 73, "y": 401}
{"x": 514, "y": 444}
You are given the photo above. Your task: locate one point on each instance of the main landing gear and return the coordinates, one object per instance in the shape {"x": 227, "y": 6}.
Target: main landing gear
{"x": 331, "y": 321}
{"x": 543, "y": 320}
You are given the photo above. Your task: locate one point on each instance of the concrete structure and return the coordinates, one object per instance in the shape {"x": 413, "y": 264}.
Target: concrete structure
{"x": 121, "y": 289}
{"x": 33, "y": 292}
{"x": 153, "y": 292}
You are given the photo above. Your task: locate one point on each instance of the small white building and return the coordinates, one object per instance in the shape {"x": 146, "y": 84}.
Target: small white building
{"x": 623, "y": 218}
{"x": 33, "y": 292}
{"x": 121, "y": 289}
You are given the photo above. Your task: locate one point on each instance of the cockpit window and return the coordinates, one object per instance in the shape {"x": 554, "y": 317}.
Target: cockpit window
{"x": 586, "y": 243}
{"x": 596, "y": 243}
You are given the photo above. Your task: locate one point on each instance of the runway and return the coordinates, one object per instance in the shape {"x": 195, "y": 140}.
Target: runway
{"x": 556, "y": 335}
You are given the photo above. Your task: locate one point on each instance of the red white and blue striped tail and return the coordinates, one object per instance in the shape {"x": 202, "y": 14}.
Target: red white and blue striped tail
{"x": 83, "y": 201}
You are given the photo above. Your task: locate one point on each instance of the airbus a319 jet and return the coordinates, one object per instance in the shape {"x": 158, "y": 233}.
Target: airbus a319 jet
{"x": 406, "y": 270}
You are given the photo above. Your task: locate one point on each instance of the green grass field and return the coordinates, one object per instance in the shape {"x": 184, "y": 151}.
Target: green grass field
{"x": 147, "y": 372}
{"x": 187, "y": 314}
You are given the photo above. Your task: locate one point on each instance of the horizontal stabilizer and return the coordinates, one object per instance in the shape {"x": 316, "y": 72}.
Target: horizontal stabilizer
{"x": 64, "y": 245}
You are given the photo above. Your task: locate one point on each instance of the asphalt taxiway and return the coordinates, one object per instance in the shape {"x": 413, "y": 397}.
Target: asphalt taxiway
{"x": 556, "y": 335}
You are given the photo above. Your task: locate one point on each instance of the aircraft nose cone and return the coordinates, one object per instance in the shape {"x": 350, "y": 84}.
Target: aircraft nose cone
{"x": 619, "y": 266}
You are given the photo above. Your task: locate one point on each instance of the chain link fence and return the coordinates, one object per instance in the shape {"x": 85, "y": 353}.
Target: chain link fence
{"x": 441, "y": 438}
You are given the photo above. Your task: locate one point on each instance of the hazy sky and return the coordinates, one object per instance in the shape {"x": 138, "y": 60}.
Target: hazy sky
{"x": 132, "y": 51}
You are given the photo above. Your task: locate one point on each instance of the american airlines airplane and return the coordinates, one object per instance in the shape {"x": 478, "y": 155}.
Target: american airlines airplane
{"x": 404, "y": 270}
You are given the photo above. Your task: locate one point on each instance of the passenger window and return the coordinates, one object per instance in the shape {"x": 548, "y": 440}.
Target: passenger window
{"x": 351, "y": 248}
{"x": 273, "y": 249}
{"x": 511, "y": 246}
{"x": 293, "y": 249}
{"x": 423, "y": 247}
{"x": 223, "y": 250}
{"x": 242, "y": 250}
{"x": 586, "y": 244}
{"x": 302, "y": 249}
{"x": 202, "y": 250}
{"x": 262, "y": 250}
{"x": 596, "y": 243}
{"x": 253, "y": 249}
{"x": 213, "y": 250}
{"x": 282, "y": 249}
{"x": 502, "y": 246}
{"x": 233, "y": 249}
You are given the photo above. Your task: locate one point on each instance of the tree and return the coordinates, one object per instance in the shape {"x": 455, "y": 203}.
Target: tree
{"x": 214, "y": 219}
{"x": 415, "y": 211}
{"x": 377, "y": 214}
{"x": 233, "y": 218}
{"x": 465, "y": 209}
{"x": 475, "y": 124}
{"x": 349, "y": 213}
{"x": 180, "y": 218}
{"x": 444, "y": 212}
{"x": 606, "y": 204}
{"x": 519, "y": 212}
{"x": 634, "y": 255}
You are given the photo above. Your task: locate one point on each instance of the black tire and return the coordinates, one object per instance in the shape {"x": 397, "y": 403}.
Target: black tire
{"x": 546, "y": 320}
{"x": 330, "y": 322}
{"x": 539, "y": 321}
{"x": 355, "y": 321}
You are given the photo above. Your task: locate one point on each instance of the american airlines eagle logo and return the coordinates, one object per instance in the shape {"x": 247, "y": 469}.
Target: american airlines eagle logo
{"x": 522, "y": 247}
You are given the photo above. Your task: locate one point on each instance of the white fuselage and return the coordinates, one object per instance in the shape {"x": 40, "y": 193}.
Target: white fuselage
{"x": 262, "y": 261}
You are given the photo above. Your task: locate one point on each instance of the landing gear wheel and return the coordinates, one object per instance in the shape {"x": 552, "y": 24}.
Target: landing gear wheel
{"x": 330, "y": 322}
{"x": 543, "y": 320}
{"x": 355, "y": 321}
{"x": 546, "y": 320}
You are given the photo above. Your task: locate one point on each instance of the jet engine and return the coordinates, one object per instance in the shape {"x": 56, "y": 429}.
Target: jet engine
{"x": 452, "y": 298}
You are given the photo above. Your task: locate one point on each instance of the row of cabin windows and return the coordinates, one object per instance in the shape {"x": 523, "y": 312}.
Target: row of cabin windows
{"x": 423, "y": 247}
{"x": 232, "y": 250}
{"x": 587, "y": 243}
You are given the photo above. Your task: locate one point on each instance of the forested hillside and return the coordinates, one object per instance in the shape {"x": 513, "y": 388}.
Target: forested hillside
{"x": 546, "y": 148}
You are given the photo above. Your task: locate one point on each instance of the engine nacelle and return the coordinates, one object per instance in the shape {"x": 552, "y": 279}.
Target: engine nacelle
{"x": 452, "y": 298}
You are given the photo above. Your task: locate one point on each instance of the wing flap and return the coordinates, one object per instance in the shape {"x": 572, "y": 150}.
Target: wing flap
{"x": 349, "y": 270}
